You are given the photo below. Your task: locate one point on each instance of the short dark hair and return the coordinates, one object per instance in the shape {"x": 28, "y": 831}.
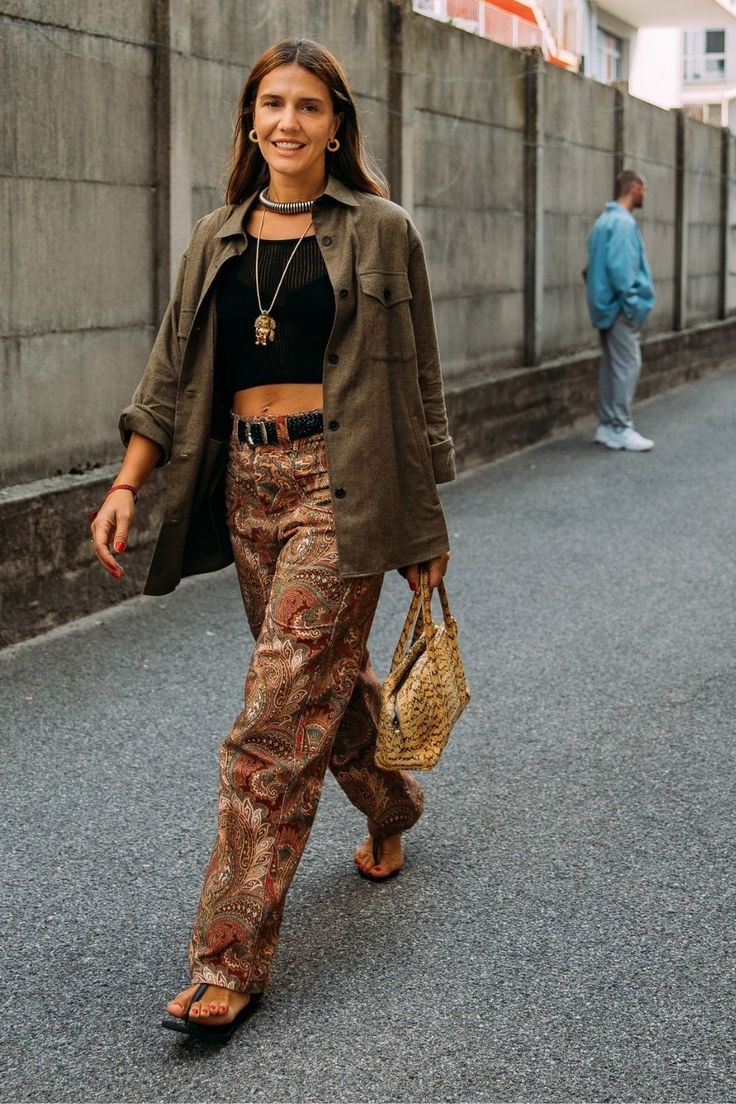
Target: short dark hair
{"x": 625, "y": 181}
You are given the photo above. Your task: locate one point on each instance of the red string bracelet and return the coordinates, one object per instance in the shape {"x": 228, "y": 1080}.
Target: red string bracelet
{"x": 116, "y": 487}
{"x": 124, "y": 487}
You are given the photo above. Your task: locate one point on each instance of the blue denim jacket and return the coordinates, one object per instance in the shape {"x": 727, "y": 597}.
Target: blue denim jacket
{"x": 619, "y": 277}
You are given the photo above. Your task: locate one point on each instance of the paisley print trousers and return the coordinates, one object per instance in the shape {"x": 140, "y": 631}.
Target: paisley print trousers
{"x": 311, "y": 701}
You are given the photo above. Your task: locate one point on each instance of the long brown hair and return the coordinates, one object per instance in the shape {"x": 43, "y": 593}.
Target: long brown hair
{"x": 249, "y": 172}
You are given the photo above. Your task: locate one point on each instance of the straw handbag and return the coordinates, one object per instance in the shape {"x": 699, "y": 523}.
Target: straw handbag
{"x": 425, "y": 691}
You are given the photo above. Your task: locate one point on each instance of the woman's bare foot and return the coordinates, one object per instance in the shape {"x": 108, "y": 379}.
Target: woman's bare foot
{"x": 219, "y": 1006}
{"x": 390, "y": 857}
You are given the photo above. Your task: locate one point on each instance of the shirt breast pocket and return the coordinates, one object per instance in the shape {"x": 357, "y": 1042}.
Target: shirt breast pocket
{"x": 386, "y": 298}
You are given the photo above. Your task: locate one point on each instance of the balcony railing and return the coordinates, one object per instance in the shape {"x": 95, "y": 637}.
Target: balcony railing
{"x": 565, "y": 18}
{"x": 483, "y": 18}
{"x": 704, "y": 68}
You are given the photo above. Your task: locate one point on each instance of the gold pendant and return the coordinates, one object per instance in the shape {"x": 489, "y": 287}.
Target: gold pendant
{"x": 265, "y": 328}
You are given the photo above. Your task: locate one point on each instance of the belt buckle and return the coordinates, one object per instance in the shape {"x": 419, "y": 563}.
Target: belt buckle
{"x": 262, "y": 433}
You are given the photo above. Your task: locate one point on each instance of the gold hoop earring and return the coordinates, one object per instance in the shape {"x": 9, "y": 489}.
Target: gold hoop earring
{"x": 333, "y": 145}
{"x": 253, "y": 136}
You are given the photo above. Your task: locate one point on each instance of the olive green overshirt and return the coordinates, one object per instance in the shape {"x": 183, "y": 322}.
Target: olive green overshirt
{"x": 384, "y": 409}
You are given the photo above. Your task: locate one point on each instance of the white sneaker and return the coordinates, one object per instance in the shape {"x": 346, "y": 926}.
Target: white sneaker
{"x": 602, "y": 434}
{"x": 627, "y": 439}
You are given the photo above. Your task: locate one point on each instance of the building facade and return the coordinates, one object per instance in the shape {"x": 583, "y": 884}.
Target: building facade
{"x": 673, "y": 53}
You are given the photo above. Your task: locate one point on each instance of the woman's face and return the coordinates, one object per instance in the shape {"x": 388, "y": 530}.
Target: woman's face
{"x": 294, "y": 120}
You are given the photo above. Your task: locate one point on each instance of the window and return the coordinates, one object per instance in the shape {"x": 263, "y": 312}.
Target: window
{"x": 715, "y": 42}
{"x": 609, "y": 50}
{"x": 704, "y": 56}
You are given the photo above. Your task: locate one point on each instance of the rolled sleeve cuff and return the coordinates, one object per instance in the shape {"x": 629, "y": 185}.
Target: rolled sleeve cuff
{"x": 443, "y": 460}
{"x": 137, "y": 419}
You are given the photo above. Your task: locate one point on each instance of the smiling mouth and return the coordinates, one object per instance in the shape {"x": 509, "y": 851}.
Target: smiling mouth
{"x": 289, "y": 145}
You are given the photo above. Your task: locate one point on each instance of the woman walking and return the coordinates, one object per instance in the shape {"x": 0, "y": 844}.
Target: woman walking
{"x": 295, "y": 391}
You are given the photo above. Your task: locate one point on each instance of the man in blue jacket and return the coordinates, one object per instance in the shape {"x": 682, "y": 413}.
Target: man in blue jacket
{"x": 620, "y": 296}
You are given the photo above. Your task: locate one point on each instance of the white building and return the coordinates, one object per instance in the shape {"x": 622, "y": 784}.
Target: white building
{"x": 691, "y": 67}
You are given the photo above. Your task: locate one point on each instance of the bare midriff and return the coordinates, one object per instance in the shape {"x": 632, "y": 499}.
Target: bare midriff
{"x": 278, "y": 398}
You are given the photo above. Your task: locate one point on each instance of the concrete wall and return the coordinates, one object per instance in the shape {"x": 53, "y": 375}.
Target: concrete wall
{"x": 577, "y": 171}
{"x": 116, "y": 134}
{"x": 77, "y": 309}
{"x": 703, "y": 218}
{"x": 119, "y": 141}
{"x": 466, "y": 193}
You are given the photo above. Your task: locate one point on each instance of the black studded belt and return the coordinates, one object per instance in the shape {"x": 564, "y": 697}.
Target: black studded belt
{"x": 264, "y": 431}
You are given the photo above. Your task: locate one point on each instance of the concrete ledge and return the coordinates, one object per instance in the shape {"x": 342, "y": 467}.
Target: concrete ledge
{"x": 48, "y": 575}
{"x": 492, "y": 417}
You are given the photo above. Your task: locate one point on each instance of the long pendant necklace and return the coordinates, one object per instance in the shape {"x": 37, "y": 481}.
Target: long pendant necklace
{"x": 265, "y": 324}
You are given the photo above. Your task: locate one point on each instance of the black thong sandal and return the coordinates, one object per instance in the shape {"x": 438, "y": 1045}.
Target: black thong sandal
{"x": 377, "y": 858}
{"x": 218, "y": 1033}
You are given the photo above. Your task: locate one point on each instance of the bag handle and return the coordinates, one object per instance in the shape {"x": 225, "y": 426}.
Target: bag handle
{"x": 419, "y": 621}
{"x": 427, "y": 597}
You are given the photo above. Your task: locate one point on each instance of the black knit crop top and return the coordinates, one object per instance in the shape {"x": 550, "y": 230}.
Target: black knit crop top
{"x": 304, "y": 312}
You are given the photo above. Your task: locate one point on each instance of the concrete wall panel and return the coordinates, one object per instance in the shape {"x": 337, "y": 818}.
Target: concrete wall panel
{"x": 62, "y": 393}
{"x": 703, "y": 206}
{"x": 131, "y": 19}
{"x": 81, "y": 255}
{"x": 60, "y": 78}
{"x": 460, "y": 75}
{"x": 469, "y": 252}
{"x": 578, "y": 111}
{"x": 466, "y": 322}
{"x": 468, "y": 197}
{"x": 465, "y": 164}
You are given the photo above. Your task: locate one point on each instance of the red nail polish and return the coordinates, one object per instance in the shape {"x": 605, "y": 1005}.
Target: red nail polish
{"x": 119, "y": 546}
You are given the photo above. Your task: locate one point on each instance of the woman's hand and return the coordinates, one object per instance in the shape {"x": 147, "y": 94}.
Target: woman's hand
{"x": 437, "y": 567}
{"x": 110, "y": 529}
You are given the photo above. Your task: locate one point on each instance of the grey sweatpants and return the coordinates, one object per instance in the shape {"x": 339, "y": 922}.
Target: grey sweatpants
{"x": 619, "y": 372}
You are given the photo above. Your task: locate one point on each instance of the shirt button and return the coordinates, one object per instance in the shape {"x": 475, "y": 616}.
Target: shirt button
{"x": 333, "y": 358}
{"x": 340, "y": 492}
{"x": 327, "y": 241}
{"x": 334, "y": 425}
{"x": 344, "y": 293}
{"x": 387, "y": 294}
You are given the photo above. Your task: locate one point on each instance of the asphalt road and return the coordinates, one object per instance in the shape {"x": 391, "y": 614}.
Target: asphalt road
{"x": 563, "y": 929}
